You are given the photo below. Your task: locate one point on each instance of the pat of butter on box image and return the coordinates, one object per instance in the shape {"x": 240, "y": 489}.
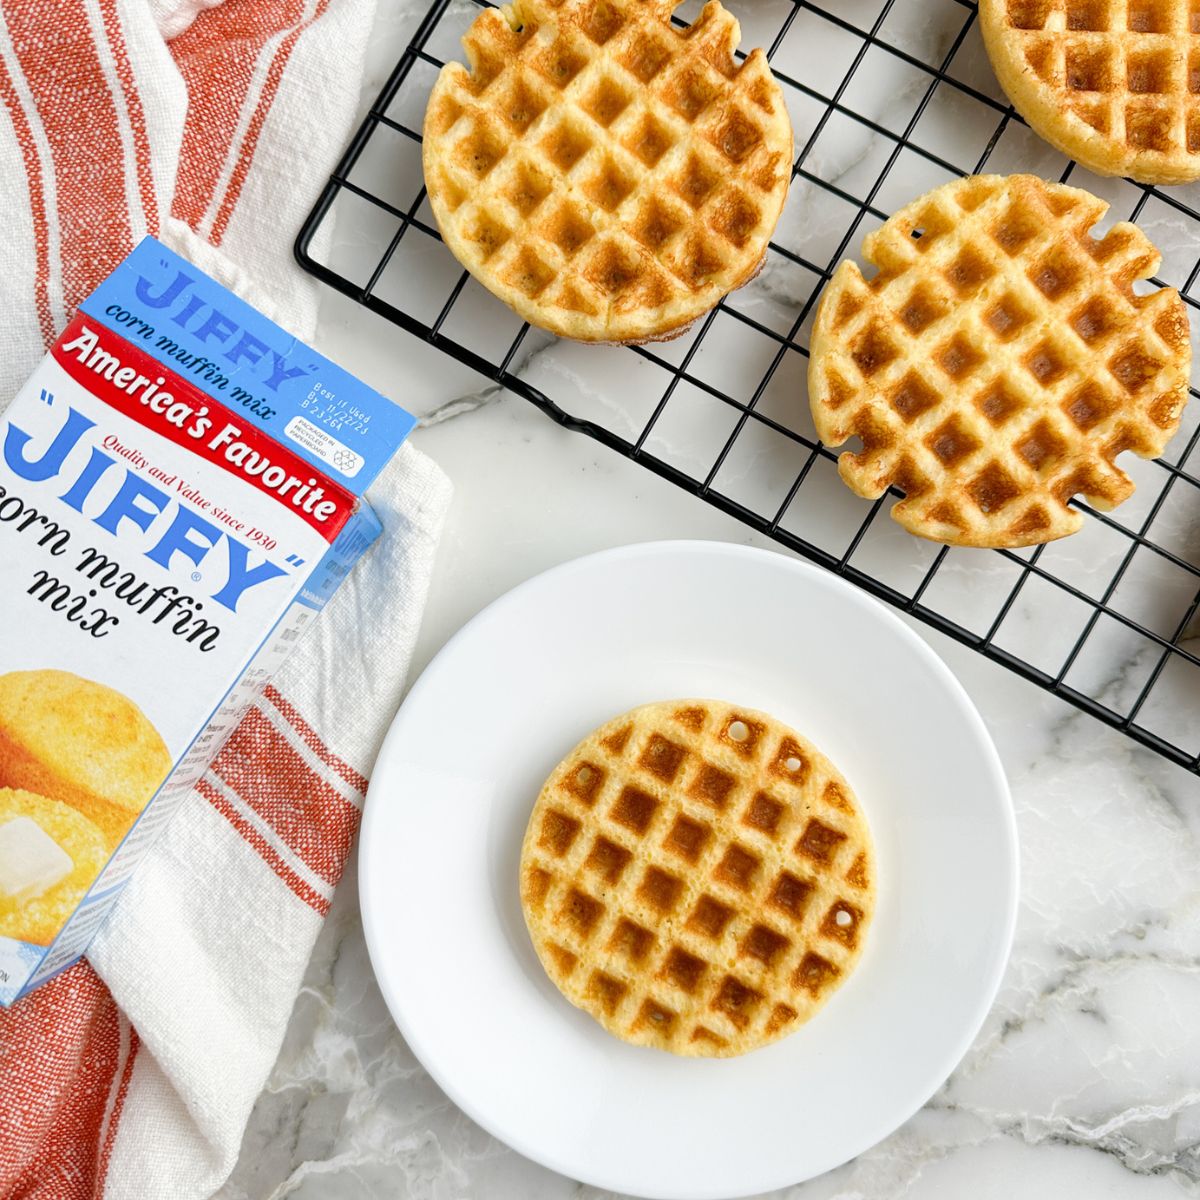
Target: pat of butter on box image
{"x": 181, "y": 490}
{"x": 31, "y": 861}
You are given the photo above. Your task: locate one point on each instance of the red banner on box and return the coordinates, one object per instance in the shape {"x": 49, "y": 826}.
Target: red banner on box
{"x": 138, "y": 385}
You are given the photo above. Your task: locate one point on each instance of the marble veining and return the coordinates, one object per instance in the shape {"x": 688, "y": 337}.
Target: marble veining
{"x": 1085, "y": 1078}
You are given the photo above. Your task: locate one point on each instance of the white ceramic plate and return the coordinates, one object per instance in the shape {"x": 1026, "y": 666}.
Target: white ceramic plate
{"x": 511, "y": 693}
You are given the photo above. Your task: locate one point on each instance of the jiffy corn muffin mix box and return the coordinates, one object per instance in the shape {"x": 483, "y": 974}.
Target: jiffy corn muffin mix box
{"x": 181, "y": 491}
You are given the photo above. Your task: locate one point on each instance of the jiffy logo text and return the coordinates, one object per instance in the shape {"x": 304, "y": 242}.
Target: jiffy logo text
{"x": 174, "y": 532}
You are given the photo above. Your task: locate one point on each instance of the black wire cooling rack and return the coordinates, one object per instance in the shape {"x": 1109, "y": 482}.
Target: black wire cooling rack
{"x": 888, "y": 98}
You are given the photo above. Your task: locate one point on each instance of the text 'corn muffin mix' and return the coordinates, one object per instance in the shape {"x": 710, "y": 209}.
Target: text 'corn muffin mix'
{"x": 180, "y": 491}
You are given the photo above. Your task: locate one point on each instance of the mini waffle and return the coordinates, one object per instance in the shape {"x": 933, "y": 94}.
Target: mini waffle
{"x": 998, "y": 361}
{"x": 1112, "y": 83}
{"x": 608, "y": 176}
{"x": 697, "y": 877}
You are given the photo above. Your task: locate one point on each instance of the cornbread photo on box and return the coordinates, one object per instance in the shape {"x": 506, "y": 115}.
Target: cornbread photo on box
{"x": 82, "y": 743}
{"x": 181, "y": 491}
{"x": 50, "y": 855}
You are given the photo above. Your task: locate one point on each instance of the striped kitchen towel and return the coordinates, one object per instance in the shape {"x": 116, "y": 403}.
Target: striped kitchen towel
{"x": 211, "y": 125}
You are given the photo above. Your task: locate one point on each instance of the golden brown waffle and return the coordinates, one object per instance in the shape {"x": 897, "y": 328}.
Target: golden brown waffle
{"x": 1112, "y": 83}
{"x": 608, "y": 176}
{"x": 998, "y": 361}
{"x": 697, "y": 877}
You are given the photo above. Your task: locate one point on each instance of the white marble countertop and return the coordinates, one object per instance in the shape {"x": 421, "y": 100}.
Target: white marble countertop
{"x": 1085, "y": 1080}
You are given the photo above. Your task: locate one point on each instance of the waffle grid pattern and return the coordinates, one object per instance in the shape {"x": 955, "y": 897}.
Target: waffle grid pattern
{"x": 1116, "y": 82}
{"x": 608, "y": 176}
{"x": 812, "y": 512}
{"x": 696, "y": 879}
{"x": 993, "y": 288}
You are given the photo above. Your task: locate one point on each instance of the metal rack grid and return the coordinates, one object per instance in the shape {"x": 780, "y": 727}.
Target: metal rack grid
{"x": 1108, "y": 624}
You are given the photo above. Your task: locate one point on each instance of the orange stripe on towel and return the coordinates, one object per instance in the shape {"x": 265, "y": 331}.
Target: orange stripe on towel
{"x": 339, "y": 766}
{"x": 37, "y": 203}
{"x": 250, "y": 143}
{"x": 62, "y": 68}
{"x": 63, "y": 1055}
{"x": 217, "y": 55}
{"x": 266, "y": 851}
{"x": 137, "y": 114}
{"x": 310, "y": 816}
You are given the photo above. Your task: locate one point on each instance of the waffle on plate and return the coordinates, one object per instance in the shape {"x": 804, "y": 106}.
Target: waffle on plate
{"x": 697, "y": 877}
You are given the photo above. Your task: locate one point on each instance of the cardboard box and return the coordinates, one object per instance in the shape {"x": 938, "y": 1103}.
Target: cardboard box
{"x": 181, "y": 488}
